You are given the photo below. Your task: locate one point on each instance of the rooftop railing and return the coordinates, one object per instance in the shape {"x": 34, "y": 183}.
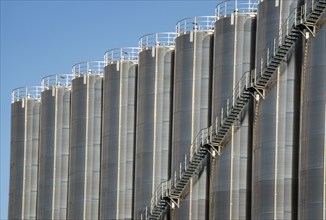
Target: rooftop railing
{"x": 229, "y": 7}
{"x": 91, "y": 67}
{"x": 118, "y": 54}
{"x": 198, "y": 23}
{"x": 28, "y": 92}
{"x": 166, "y": 39}
{"x": 56, "y": 80}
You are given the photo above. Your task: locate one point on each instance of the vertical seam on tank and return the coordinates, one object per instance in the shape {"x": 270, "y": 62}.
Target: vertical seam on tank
{"x": 193, "y": 112}
{"x": 324, "y": 182}
{"x": 155, "y": 121}
{"x": 55, "y": 149}
{"x": 278, "y": 81}
{"x": 233, "y": 133}
{"x": 276, "y": 142}
{"x": 86, "y": 145}
{"x": 119, "y": 140}
{"x": 24, "y": 169}
{"x": 300, "y": 132}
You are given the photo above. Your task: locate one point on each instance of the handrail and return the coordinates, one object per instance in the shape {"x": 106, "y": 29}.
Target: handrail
{"x": 160, "y": 192}
{"x": 198, "y": 23}
{"x": 202, "y": 138}
{"x": 166, "y": 39}
{"x": 56, "y": 80}
{"x": 243, "y": 83}
{"x": 27, "y": 92}
{"x": 90, "y": 67}
{"x": 118, "y": 54}
{"x": 229, "y": 7}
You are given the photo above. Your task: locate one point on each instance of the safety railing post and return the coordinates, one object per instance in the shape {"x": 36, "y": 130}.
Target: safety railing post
{"x": 287, "y": 27}
{"x": 216, "y": 124}
{"x": 239, "y": 92}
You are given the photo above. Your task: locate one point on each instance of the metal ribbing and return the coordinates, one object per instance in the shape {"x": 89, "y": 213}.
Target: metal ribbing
{"x": 84, "y": 165}
{"x": 276, "y": 129}
{"x": 119, "y": 100}
{"x": 54, "y": 153}
{"x": 153, "y": 123}
{"x": 234, "y": 55}
{"x": 191, "y": 110}
{"x": 312, "y": 168}
{"x": 24, "y": 159}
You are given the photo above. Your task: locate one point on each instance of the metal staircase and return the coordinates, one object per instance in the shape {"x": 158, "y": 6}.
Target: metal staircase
{"x": 302, "y": 20}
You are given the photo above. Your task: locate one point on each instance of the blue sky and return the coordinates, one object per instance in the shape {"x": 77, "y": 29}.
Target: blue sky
{"x": 40, "y": 38}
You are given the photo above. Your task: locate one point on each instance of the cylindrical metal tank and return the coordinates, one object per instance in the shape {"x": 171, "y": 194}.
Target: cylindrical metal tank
{"x": 312, "y": 168}
{"x": 192, "y": 105}
{"x": 154, "y": 111}
{"x": 25, "y": 115}
{"x": 85, "y": 141}
{"x": 54, "y": 147}
{"x": 234, "y": 54}
{"x": 118, "y": 133}
{"x": 276, "y": 127}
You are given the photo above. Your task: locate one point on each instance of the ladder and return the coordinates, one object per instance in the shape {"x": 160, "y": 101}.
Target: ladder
{"x": 302, "y": 20}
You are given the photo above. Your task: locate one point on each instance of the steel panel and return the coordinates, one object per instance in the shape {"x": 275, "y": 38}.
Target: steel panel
{"x": 312, "y": 170}
{"x": 154, "y": 109}
{"x": 276, "y": 124}
{"x": 191, "y": 108}
{"x": 233, "y": 55}
{"x": 24, "y": 162}
{"x": 85, "y": 133}
{"x": 54, "y": 153}
{"x": 119, "y": 106}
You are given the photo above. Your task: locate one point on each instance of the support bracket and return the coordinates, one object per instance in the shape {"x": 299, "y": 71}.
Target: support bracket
{"x": 213, "y": 151}
{"x": 175, "y": 202}
{"x": 261, "y": 93}
{"x": 312, "y": 29}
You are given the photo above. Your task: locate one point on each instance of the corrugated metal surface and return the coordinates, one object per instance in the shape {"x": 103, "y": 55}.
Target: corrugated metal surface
{"x": 84, "y": 165}
{"x": 154, "y": 109}
{"x": 276, "y": 127}
{"x": 119, "y": 108}
{"x": 312, "y": 169}
{"x": 191, "y": 110}
{"x": 234, "y": 54}
{"x": 24, "y": 158}
{"x": 54, "y": 153}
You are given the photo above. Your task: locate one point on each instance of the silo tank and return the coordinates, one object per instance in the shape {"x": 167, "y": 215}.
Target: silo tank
{"x": 54, "y": 147}
{"x": 85, "y": 143}
{"x": 276, "y": 128}
{"x": 25, "y": 115}
{"x": 154, "y": 111}
{"x": 191, "y": 105}
{"x": 312, "y": 169}
{"x": 118, "y": 133}
{"x": 234, "y": 53}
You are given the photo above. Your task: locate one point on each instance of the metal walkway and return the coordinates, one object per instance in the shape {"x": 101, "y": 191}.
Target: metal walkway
{"x": 302, "y": 20}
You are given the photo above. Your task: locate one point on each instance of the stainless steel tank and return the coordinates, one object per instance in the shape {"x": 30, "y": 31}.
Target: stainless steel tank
{"x": 25, "y": 115}
{"x": 54, "y": 147}
{"x": 118, "y": 133}
{"x": 85, "y": 141}
{"x": 276, "y": 128}
{"x": 154, "y": 111}
{"x": 312, "y": 168}
{"x": 234, "y": 54}
{"x": 191, "y": 104}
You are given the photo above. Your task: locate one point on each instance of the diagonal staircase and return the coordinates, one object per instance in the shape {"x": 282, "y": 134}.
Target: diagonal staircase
{"x": 301, "y": 20}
